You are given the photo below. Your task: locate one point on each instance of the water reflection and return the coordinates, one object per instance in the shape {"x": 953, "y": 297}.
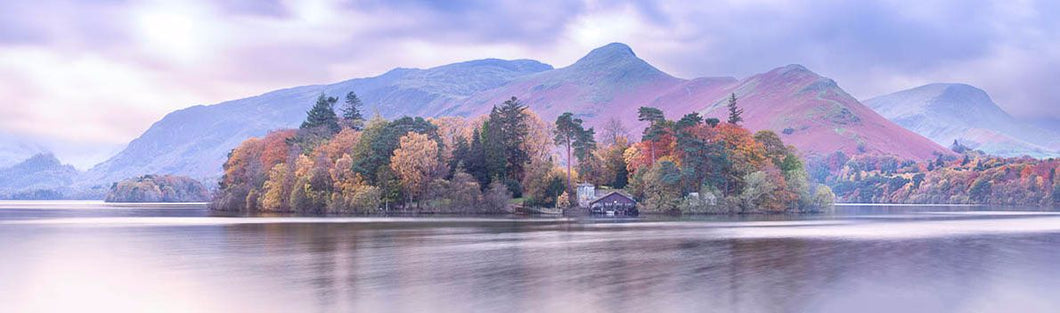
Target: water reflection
{"x": 922, "y": 262}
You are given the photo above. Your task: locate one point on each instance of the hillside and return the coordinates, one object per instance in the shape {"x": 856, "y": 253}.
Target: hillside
{"x": 948, "y": 112}
{"x": 41, "y": 176}
{"x": 809, "y": 111}
{"x": 195, "y": 141}
{"x": 610, "y": 81}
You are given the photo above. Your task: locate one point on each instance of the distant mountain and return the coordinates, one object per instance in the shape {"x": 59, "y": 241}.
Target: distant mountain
{"x": 195, "y": 141}
{"x": 40, "y": 176}
{"x": 810, "y": 111}
{"x": 14, "y": 150}
{"x": 948, "y": 112}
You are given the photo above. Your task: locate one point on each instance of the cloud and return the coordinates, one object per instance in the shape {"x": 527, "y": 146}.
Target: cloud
{"x": 1008, "y": 48}
{"x": 103, "y": 71}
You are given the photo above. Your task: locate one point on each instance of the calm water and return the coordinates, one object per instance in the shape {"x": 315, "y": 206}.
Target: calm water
{"x": 70, "y": 256}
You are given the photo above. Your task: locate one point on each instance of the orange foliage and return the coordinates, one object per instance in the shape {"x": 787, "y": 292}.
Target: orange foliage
{"x": 640, "y": 156}
{"x": 341, "y": 144}
{"x": 275, "y": 148}
{"x": 746, "y": 153}
{"x": 241, "y": 165}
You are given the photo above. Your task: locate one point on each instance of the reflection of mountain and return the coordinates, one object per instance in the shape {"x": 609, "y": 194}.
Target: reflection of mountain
{"x": 810, "y": 111}
{"x": 948, "y": 112}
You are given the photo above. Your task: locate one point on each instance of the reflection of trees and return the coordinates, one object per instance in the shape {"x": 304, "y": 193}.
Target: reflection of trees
{"x": 572, "y": 267}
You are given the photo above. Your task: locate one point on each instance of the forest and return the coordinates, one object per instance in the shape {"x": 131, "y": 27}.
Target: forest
{"x": 967, "y": 177}
{"x": 341, "y": 162}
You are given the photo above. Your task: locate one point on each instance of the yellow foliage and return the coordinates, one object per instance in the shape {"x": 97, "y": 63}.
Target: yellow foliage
{"x": 416, "y": 162}
{"x": 275, "y": 195}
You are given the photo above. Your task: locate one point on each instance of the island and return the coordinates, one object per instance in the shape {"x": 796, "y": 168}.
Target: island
{"x": 158, "y": 188}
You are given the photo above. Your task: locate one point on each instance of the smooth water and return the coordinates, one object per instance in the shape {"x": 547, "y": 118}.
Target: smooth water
{"x": 88, "y": 257}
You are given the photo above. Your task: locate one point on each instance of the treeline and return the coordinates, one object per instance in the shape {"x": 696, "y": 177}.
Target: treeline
{"x": 970, "y": 177}
{"x": 726, "y": 167}
{"x": 344, "y": 164}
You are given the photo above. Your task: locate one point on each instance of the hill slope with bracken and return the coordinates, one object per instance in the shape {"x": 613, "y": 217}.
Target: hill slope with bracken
{"x": 809, "y": 111}
{"x": 610, "y": 81}
{"x": 814, "y": 114}
{"x": 948, "y": 112}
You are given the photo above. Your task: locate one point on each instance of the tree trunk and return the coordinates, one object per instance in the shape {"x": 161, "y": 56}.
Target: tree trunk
{"x": 652, "y": 144}
{"x": 570, "y": 188}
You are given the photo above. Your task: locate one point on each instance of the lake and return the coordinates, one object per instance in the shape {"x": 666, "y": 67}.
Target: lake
{"x": 89, "y": 256}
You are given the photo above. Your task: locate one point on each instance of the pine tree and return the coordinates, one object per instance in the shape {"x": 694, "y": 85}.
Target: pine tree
{"x": 570, "y": 134}
{"x": 734, "y": 111}
{"x": 655, "y": 118}
{"x": 322, "y": 116}
{"x": 351, "y": 111}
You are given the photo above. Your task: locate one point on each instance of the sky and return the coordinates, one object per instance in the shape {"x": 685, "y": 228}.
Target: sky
{"x": 83, "y": 78}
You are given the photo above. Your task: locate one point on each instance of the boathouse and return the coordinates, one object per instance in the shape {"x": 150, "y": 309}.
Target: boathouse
{"x": 614, "y": 203}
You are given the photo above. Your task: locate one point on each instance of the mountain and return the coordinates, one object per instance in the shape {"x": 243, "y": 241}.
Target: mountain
{"x": 808, "y": 110}
{"x": 13, "y": 149}
{"x": 195, "y": 141}
{"x": 948, "y": 112}
{"x": 41, "y": 175}
{"x": 814, "y": 114}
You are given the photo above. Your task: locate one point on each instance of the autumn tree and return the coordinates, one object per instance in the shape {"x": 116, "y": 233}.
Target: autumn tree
{"x": 416, "y": 163}
{"x": 275, "y": 194}
{"x": 655, "y": 129}
{"x": 379, "y": 140}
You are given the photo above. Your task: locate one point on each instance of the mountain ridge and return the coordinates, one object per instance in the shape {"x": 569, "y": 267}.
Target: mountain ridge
{"x": 944, "y": 112}
{"x": 608, "y": 82}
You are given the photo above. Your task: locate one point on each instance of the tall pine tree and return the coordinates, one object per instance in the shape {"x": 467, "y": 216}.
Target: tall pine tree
{"x": 321, "y": 117}
{"x": 655, "y": 119}
{"x": 570, "y": 134}
{"x": 351, "y": 112}
{"x": 735, "y": 112}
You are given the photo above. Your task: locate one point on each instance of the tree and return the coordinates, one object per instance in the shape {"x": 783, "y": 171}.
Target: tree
{"x": 735, "y": 112}
{"x": 351, "y": 112}
{"x": 661, "y": 186}
{"x": 378, "y": 141}
{"x": 416, "y": 163}
{"x": 275, "y": 197}
{"x": 321, "y": 116}
{"x": 615, "y": 164}
{"x": 655, "y": 119}
{"x": 464, "y": 192}
{"x": 823, "y": 197}
{"x": 570, "y": 134}
{"x": 980, "y": 191}
{"x": 514, "y": 128}
{"x": 614, "y": 131}
{"x": 497, "y": 197}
